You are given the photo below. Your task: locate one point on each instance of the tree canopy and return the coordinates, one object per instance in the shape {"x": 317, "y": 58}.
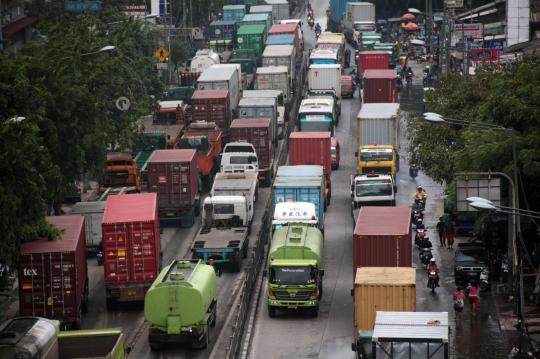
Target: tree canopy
{"x": 507, "y": 96}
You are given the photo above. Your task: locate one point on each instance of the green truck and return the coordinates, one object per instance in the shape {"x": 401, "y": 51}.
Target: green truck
{"x": 40, "y": 338}
{"x": 295, "y": 269}
{"x": 144, "y": 144}
{"x": 252, "y": 37}
{"x": 181, "y": 305}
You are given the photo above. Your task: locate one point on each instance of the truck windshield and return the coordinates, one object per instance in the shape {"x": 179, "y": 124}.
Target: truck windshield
{"x": 224, "y": 208}
{"x": 238, "y": 148}
{"x": 373, "y": 188}
{"x": 372, "y": 155}
{"x": 284, "y": 275}
{"x": 240, "y": 160}
{"x": 364, "y": 27}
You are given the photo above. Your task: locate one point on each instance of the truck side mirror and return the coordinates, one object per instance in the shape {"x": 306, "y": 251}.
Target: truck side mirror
{"x": 356, "y": 154}
{"x": 352, "y": 292}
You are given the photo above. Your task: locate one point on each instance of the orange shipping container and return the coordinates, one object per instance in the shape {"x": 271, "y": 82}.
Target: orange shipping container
{"x": 384, "y": 289}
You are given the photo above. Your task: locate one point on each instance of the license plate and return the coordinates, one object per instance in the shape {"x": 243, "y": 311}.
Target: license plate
{"x": 131, "y": 293}
{"x": 291, "y": 306}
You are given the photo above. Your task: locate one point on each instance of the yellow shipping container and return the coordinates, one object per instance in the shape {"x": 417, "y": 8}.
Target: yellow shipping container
{"x": 385, "y": 289}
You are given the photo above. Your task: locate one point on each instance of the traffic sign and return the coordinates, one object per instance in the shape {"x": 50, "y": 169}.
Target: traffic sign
{"x": 162, "y": 54}
{"x": 123, "y": 103}
{"x": 197, "y": 34}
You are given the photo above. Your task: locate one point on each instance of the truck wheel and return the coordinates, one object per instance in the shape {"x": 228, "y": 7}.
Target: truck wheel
{"x": 271, "y": 312}
{"x": 155, "y": 346}
{"x": 236, "y": 263}
{"x": 214, "y": 317}
{"x": 315, "y": 311}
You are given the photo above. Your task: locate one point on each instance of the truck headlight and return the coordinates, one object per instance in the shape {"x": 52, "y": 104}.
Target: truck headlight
{"x": 459, "y": 268}
{"x": 187, "y": 329}
{"x": 273, "y": 302}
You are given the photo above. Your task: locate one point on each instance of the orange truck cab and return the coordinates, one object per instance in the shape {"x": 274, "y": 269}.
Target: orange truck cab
{"x": 121, "y": 171}
{"x": 334, "y": 153}
{"x": 347, "y": 86}
{"x": 205, "y": 138}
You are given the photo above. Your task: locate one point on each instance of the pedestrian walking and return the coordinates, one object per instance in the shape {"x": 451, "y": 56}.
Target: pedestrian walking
{"x": 459, "y": 301}
{"x": 440, "y": 229}
{"x": 449, "y": 232}
{"x": 472, "y": 290}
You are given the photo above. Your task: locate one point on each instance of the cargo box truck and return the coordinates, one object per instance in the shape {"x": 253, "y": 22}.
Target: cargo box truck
{"x": 264, "y": 107}
{"x": 222, "y": 78}
{"x": 274, "y": 78}
{"x": 131, "y": 247}
{"x": 53, "y": 274}
{"x": 295, "y": 269}
{"x": 181, "y": 305}
{"x": 93, "y": 214}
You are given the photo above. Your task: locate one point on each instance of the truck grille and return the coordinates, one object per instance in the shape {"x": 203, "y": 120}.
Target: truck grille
{"x": 379, "y": 170}
{"x": 283, "y": 295}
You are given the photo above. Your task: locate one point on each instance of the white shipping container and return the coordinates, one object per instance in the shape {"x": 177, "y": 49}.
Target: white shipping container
{"x": 377, "y": 124}
{"x": 274, "y": 78}
{"x": 280, "y": 10}
{"x": 280, "y": 55}
{"x": 220, "y": 77}
{"x": 325, "y": 77}
{"x": 361, "y": 12}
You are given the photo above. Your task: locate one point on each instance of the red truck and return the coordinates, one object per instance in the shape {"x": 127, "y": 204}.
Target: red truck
{"x": 371, "y": 60}
{"x": 380, "y": 86}
{"x": 131, "y": 247}
{"x": 53, "y": 274}
{"x": 205, "y": 138}
{"x": 258, "y": 132}
{"x": 173, "y": 175}
{"x": 293, "y": 29}
{"x": 213, "y": 106}
{"x": 313, "y": 148}
{"x": 382, "y": 237}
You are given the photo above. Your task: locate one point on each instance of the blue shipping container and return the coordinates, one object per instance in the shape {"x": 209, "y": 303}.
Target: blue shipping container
{"x": 280, "y": 39}
{"x": 337, "y": 8}
{"x": 234, "y": 12}
{"x": 221, "y": 29}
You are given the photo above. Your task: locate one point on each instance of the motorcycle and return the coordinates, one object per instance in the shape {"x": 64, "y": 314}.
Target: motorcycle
{"x": 416, "y": 215}
{"x": 419, "y": 236}
{"x": 311, "y": 21}
{"x": 433, "y": 279}
{"x": 409, "y": 77}
{"x": 425, "y": 255}
{"x": 413, "y": 171}
{"x": 419, "y": 204}
{"x": 317, "y": 33}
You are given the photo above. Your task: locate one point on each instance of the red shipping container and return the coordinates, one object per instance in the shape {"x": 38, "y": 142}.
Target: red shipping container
{"x": 380, "y": 86}
{"x": 311, "y": 148}
{"x": 131, "y": 246}
{"x": 53, "y": 274}
{"x": 258, "y": 132}
{"x": 212, "y": 106}
{"x": 173, "y": 175}
{"x": 371, "y": 60}
{"x": 382, "y": 237}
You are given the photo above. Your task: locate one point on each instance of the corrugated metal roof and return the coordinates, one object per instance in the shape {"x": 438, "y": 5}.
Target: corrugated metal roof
{"x": 378, "y": 110}
{"x": 251, "y": 122}
{"x": 411, "y": 325}
{"x": 213, "y": 74}
{"x": 256, "y": 17}
{"x": 385, "y": 276}
{"x": 280, "y": 39}
{"x": 209, "y": 94}
{"x": 129, "y": 208}
{"x": 281, "y": 28}
{"x": 257, "y": 102}
{"x": 297, "y": 182}
{"x": 261, "y": 93}
{"x": 308, "y": 134}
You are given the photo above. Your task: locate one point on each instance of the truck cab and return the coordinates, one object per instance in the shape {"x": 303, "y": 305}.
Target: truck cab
{"x": 227, "y": 211}
{"x": 121, "y": 172}
{"x": 381, "y": 159}
{"x": 295, "y": 269}
{"x": 317, "y": 115}
{"x": 238, "y": 157}
{"x": 372, "y": 189}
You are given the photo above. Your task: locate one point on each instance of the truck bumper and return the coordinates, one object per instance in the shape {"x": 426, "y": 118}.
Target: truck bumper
{"x": 292, "y": 304}
{"x": 127, "y": 293}
{"x": 158, "y": 336}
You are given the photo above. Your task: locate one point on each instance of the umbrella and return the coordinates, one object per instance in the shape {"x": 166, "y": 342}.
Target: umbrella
{"x": 417, "y": 42}
{"x": 408, "y": 16}
{"x": 411, "y": 26}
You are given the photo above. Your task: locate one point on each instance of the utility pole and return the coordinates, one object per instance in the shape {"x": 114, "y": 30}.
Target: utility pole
{"x": 1, "y": 26}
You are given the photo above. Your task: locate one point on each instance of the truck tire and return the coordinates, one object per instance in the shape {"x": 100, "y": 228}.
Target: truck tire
{"x": 236, "y": 263}
{"x": 314, "y": 311}
{"x": 214, "y": 316}
{"x": 271, "y": 312}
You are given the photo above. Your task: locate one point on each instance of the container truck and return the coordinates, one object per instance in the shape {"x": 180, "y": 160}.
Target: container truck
{"x": 234, "y": 12}
{"x": 172, "y": 130}
{"x": 311, "y": 148}
{"x": 325, "y": 77}
{"x": 331, "y": 44}
{"x": 371, "y": 60}
{"x": 372, "y": 190}
{"x": 336, "y": 12}
{"x": 410, "y": 335}
{"x": 295, "y": 269}
{"x": 382, "y": 237}
{"x": 316, "y": 115}
{"x": 260, "y": 107}
{"x": 287, "y": 213}
{"x": 121, "y": 174}
{"x": 283, "y": 114}
{"x": 226, "y": 220}
{"x": 252, "y": 37}
{"x": 320, "y": 56}
{"x": 222, "y": 34}
{"x": 380, "y": 288}
{"x": 280, "y": 10}
{"x": 227, "y": 78}
{"x": 256, "y": 132}
{"x": 131, "y": 247}
{"x": 203, "y": 59}
{"x": 274, "y": 78}
{"x": 170, "y": 112}
{"x": 257, "y": 19}
{"x": 359, "y": 19}
{"x": 53, "y": 274}
{"x": 380, "y": 86}
{"x": 377, "y": 139}
{"x": 205, "y": 138}
{"x": 239, "y": 157}
{"x": 301, "y": 184}
{"x": 181, "y": 305}
{"x": 93, "y": 214}
{"x": 281, "y": 55}
{"x": 40, "y": 338}
{"x": 291, "y": 28}
{"x": 173, "y": 175}
{"x": 213, "y": 106}
{"x": 248, "y": 65}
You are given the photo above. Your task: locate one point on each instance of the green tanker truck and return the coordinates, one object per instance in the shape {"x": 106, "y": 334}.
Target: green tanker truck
{"x": 181, "y": 305}
{"x": 295, "y": 269}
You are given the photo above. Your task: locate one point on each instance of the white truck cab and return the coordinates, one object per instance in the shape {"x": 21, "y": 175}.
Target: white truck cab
{"x": 228, "y": 211}
{"x": 238, "y": 157}
{"x": 294, "y": 212}
{"x": 372, "y": 189}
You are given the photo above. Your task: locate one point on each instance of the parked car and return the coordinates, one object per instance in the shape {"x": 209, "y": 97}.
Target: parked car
{"x": 334, "y": 153}
{"x": 469, "y": 262}
{"x": 347, "y": 86}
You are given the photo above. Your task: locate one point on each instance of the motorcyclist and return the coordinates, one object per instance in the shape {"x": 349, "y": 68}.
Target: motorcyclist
{"x": 420, "y": 194}
{"x": 317, "y": 28}
{"x": 409, "y": 71}
{"x": 420, "y": 224}
{"x": 432, "y": 267}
